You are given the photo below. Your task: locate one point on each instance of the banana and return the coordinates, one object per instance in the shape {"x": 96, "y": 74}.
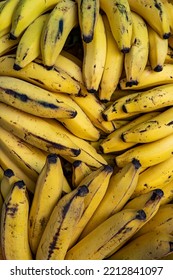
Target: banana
{"x": 1, "y": 203}
{"x": 153, "y": 9}
{"x": 21, "y": 18}
{"x": 55, "y": 80}
{"x": 14, "y": 224}
{"x": 170, "y": 41}
{"x": 121, "y": 186}
{"x": 6, "y": 12}
{"x": 68, "y": 54}
{"x": 7, "y": 45}
{"x": 48, "y": 191}
{"x": 37, "y": 132}
{"x": 97, "y": 183}
{"x": 158, "y": 48}
{"x": 28, "y": 47}
{"x": 32, "y": 99}
{"x": 108, "y": 237}
{"x": 136, "y": 59}
{"x": 62, "y": 19}
{"x": 113, "y": 65}
{"x": 150, "y": 100}
{"x": 169, "y": 9}
{"x": 148, "y": 154}
{"x": 8, "y": 179}
{"x": 61, "y": 225}
{"x": 88, "y": 12}
{"x": 120, "y": 20}
{"x": 168, "y": 194}
{"x": 150, "y": 246}
{"x": 151, "y": 130}
{"x": 169, "y": 56}
{"x": 114, "y": 142}
{"x": 156, "y": 176}
{"x": 79, "y": 171}
{"x": 94, "y": 57}
{"x": 1, "y": 173}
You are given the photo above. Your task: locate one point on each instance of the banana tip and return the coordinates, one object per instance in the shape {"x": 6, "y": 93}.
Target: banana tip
{"x": 158, "y": 68}
{"x": 166, "y": 35}
{"x": 8, "y": 173}
{"x": 12, "y": 36}
{"x": 131, "y": 83}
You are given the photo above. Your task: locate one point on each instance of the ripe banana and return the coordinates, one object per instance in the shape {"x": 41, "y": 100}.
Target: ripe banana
{"x": 1, "y": 173}
{"x": 136, "y": 59}
{"x": 48, "y": 191}
{"x": 61, "y": 225}
{"x": 88, "y": 12}
{"x": 158, "y": 48}
{"x": 28, "y": 47}
{"x": 32, "y": 99}
{"x": 8, "y": 179}
{"x": 148, "y": 153}
{"x": 169, "y": 9}
{"x": 113, "y": 65}
{"x": 168, "y": 194}
{"x": 21, "y": 18}
{"x": 121, "y": 186}
{"x": 7, "y": 45}
{"x": 153, "y": 9}
{"x": 14, "y": 224}
{"x": 79, "y": 171}
{"x": 94, "y": 57}
{"x": 62, "y": 19}
{"x": 120, "y": 20}
{"x": 108, "y": 237}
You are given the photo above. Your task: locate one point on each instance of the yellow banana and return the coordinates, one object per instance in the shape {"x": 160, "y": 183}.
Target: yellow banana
{"x": 169, "y": 9}
{"x": 79, "y": 171}
{"x": 8, "y": 179}
{"x": 61, "y": 225}
{"x": 121, "y": 186}
{"x": 7, "y": 45}
{"x": 120, "y": 19}
{"x": 169, "y": 56}
{"x": 1, "y": 173}
{"x": 136, "y": 59}
{"x": 168, "y": 194}
{"x": 14, "y": 224}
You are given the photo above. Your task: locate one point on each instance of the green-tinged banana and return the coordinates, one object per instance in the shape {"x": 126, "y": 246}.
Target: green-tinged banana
{"x": 48, "y": 191}
{"x": 6, "y": 184}
{"x": 108, "y": 237}
{"x": 156, "y": 176}
{"x": 113, "y": 65}
{"x": 114, "y": 142}
{"x": 121, "y": 186}
{"x": 32, "y": 99}
{"x": 26, "y": 12}
{"x": 150, "y": 246}
{"x": 150, "y": 100}
{"x": 136, "y": 59}
{"x": 14, "y": 224}
{"x": 88, "y": 11}
{"x": 7, "y": 45}
{"x": 79, "y": 171}
{"x": 158, "y": 48}
{"x": 153, "y": 9}
{"x": 120, "y": 19}
{"x": 148, "y": 153}
{"x": 62, "y": 19}
{"x": 6, "y": 13}
{"x": 55, "y": 80}
{"x": 37, "y": 131}
{"x": 168, "y": 193}
{"x": 61, "y": 225}
{"x": 151, "y": 130}
{"x": 8, "y": 163}
{"x": 94, "y": 57}
{"x": 28, "y": 47}
{"x": 97, "y": 184}
{"x": 150, "y": 78}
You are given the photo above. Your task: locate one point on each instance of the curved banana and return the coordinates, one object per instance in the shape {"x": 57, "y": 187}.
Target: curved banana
{"x": 8, "y": 179}
{"x": 108, "y": 237}
{"x": 113, "y": 65}
{"x": 28, "y": 47}
{"x": 94, "y": 57}
{"x": 21, "y": 18}
{"x": 14, "y": 224}
{"x": 148, "y": 153}
{"x": 33, "y": 100}
{"x": 169, "y": 9}
{"x": 121, "y": 186}
{"x": 120, "y": 20}
{"x": 7, "y": 45}
{"x": 158, "y": 48}
{"x": 60, "y": 227}
{"x": 79, "y": 171}
{"x": 88, "y": 11}
{"x": 62, "y": 19}
{"x": 48, "y": 191}
{"x": 150, "y": 246}
{"x": 136, "y": 59}
{"x": 168, "y": 194}
{"x": 153, "y": 9}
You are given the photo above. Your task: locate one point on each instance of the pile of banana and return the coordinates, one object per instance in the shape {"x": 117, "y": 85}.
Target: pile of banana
{"x": 86, "y": 130}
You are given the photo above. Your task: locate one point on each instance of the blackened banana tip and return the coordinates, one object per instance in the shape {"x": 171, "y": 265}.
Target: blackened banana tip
{"x": 157, "y": 193}
{"x": 124, "y": 108}
{"x": 9, "y": 173}
{"x": 125, "y": 50}
{"x": 104, "y": 116}
{"x": 166, "y": 35}
{"x": 20, "y": 184}
{"x": 16, "y": 67}
{"x": 52, "y": 158}
{"x": 12, "y": 37}
{"x": 82, "y": 191}
{"x": 158, "y": 68}
{"x": 136, "y": 163}
{"x": 131, "y": 83}
{"x": 87, "y": 39}
{"x": 141, "y": 215}
{"x": 76, "y": 163}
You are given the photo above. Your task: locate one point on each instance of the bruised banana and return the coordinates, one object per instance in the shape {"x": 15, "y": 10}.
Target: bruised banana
{"x": 14, "y": 224}
{"x": 8, "y": 179}
{"x": 61, "y": 225}
{"x": 48, "y": 190}
{"x": 79, "y": 171}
